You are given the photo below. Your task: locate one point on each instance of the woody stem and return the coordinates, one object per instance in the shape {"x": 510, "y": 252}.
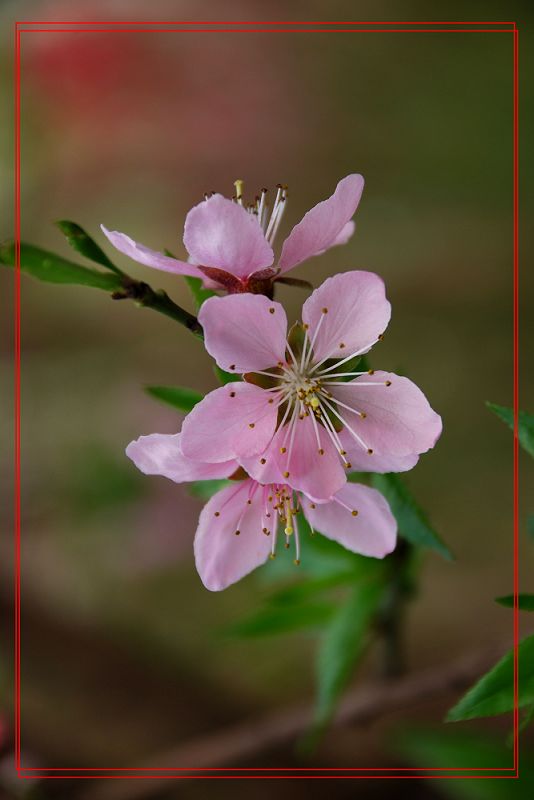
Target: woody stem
{"x": 145, "y": 296}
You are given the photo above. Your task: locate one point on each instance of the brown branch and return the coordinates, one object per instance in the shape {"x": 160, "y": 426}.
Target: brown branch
{"x": 239, "y": 743}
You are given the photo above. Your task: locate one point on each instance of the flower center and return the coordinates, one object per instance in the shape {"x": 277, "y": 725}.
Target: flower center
{"x": 305, "y": 387}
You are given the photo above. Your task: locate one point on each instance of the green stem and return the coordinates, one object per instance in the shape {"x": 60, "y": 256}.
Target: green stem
{"x": 393, "y": 613}
{"x": 145, "y": 296}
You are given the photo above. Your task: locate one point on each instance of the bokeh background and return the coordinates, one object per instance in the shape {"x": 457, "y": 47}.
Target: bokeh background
{"x": 123, "y": 655}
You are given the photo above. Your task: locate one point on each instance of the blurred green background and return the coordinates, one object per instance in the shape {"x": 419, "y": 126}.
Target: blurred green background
{"x": 122, "y": 653}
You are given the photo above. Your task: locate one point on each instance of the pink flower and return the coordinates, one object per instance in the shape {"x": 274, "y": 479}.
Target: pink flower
{"x": 239, "y": 526}
{"x": 305, "y": 423}
{"x": 230, "y": 244}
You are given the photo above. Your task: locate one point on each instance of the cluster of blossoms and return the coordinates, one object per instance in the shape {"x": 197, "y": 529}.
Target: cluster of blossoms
{"x": 302, "y": 417}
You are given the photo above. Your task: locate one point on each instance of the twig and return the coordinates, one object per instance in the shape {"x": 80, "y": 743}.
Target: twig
{"x": 240, "y": 743}
{"x": 144, "y": 295}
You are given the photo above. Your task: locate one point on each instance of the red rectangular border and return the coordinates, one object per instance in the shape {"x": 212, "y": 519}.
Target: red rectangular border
{"x": 243, "y": 26}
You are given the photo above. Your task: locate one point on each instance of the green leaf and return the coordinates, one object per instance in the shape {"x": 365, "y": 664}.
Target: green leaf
{"x": 525, "y": 425}
{"x": 430, "y": 748}
{"x": 225, "y": 377}
{"x": 530, "y": 525}
{"x": 85, "y": 245}
{"x": 298, "y": 592}
{"x": 413, "y": 523}
{"x": 180, "y": 397}
{"x": 206, "y": 489}
{"x": 282, "y": 619}
{"x": 525, "y": 601}
{"x": 342, "y": 646}
{"x": 494, "y": 693}
{"x": 197, "y": 290}
{"x": 51, "y": 268}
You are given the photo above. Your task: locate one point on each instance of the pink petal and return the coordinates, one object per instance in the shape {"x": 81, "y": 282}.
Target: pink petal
{"x": 222, "y": 558}
{"x": 399, "y": 420}
{"x": 233, "y": 421}
{"x": 161, "y": 454}
{"x": 321, "y": 227}
{"x": 221, "y": 234}
{"x": 343, "y": 236}
{"x": 346, "y": 233}
{"x": 246, "y": 331}
{"x": 372, "y": 532}
{"x": 361, "y": 461}
{"x": 150, "y": 258}
{"x": 357, "y": 313}
{"x": 319, "y": 476}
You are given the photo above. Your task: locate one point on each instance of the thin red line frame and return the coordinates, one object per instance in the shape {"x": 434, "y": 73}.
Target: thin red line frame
{"x": 257, "y": 26}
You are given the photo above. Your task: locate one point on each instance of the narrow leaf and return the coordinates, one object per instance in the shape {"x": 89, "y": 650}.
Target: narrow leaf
{"x": 525, "y": 425}
{"x": 51, "y": 268}
{"x": 342, "y": 647}
{"x": 413, "y": 523}
{"x": 200, "y": 294}
{"x": 180, "y": 397}
{"x": 85, "y": 245}
{"x": 525, "y": 602}
{"x": 494, "y": 693}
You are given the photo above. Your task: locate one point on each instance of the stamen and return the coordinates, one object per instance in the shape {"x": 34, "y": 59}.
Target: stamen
{"x": 261, "y": 206}
{"x": 353, "y": 511}
{"x": 239, "y": 191}
{"x": 314, "y": 337}
{"x": 297, "y": 544}
{"x": 331, "y": 431}
{"x": 344, "y": 360}
{"x": 347, "y": 426}
{"x": 345, "y": 375}
{"x": 354, "y": 411}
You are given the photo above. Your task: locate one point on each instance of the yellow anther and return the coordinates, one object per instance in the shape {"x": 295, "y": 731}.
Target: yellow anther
{"x": 288, "y": 531}
{"x": 314, "y": 402}
{"x": 239, "y": 188}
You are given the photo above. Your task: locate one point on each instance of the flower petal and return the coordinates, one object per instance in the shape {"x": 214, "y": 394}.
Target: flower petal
{"x": 244, "y": 331}
{"x": 346, "y": 233}
{"x": 233, "y": 421}
{"x": 222, "y": 234}
{"x": 318, "y": 475}
{"x": 150, "y": 258}
{"x": 399, "y": 420}
{"x": 222, "y": 558}
{"x": 361, "y": 461}
{"x": 321, "y": 227}
{"x": 161, "y": 454}
{"x": 371, "y": 532}
{"x": 356, "y": 314}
